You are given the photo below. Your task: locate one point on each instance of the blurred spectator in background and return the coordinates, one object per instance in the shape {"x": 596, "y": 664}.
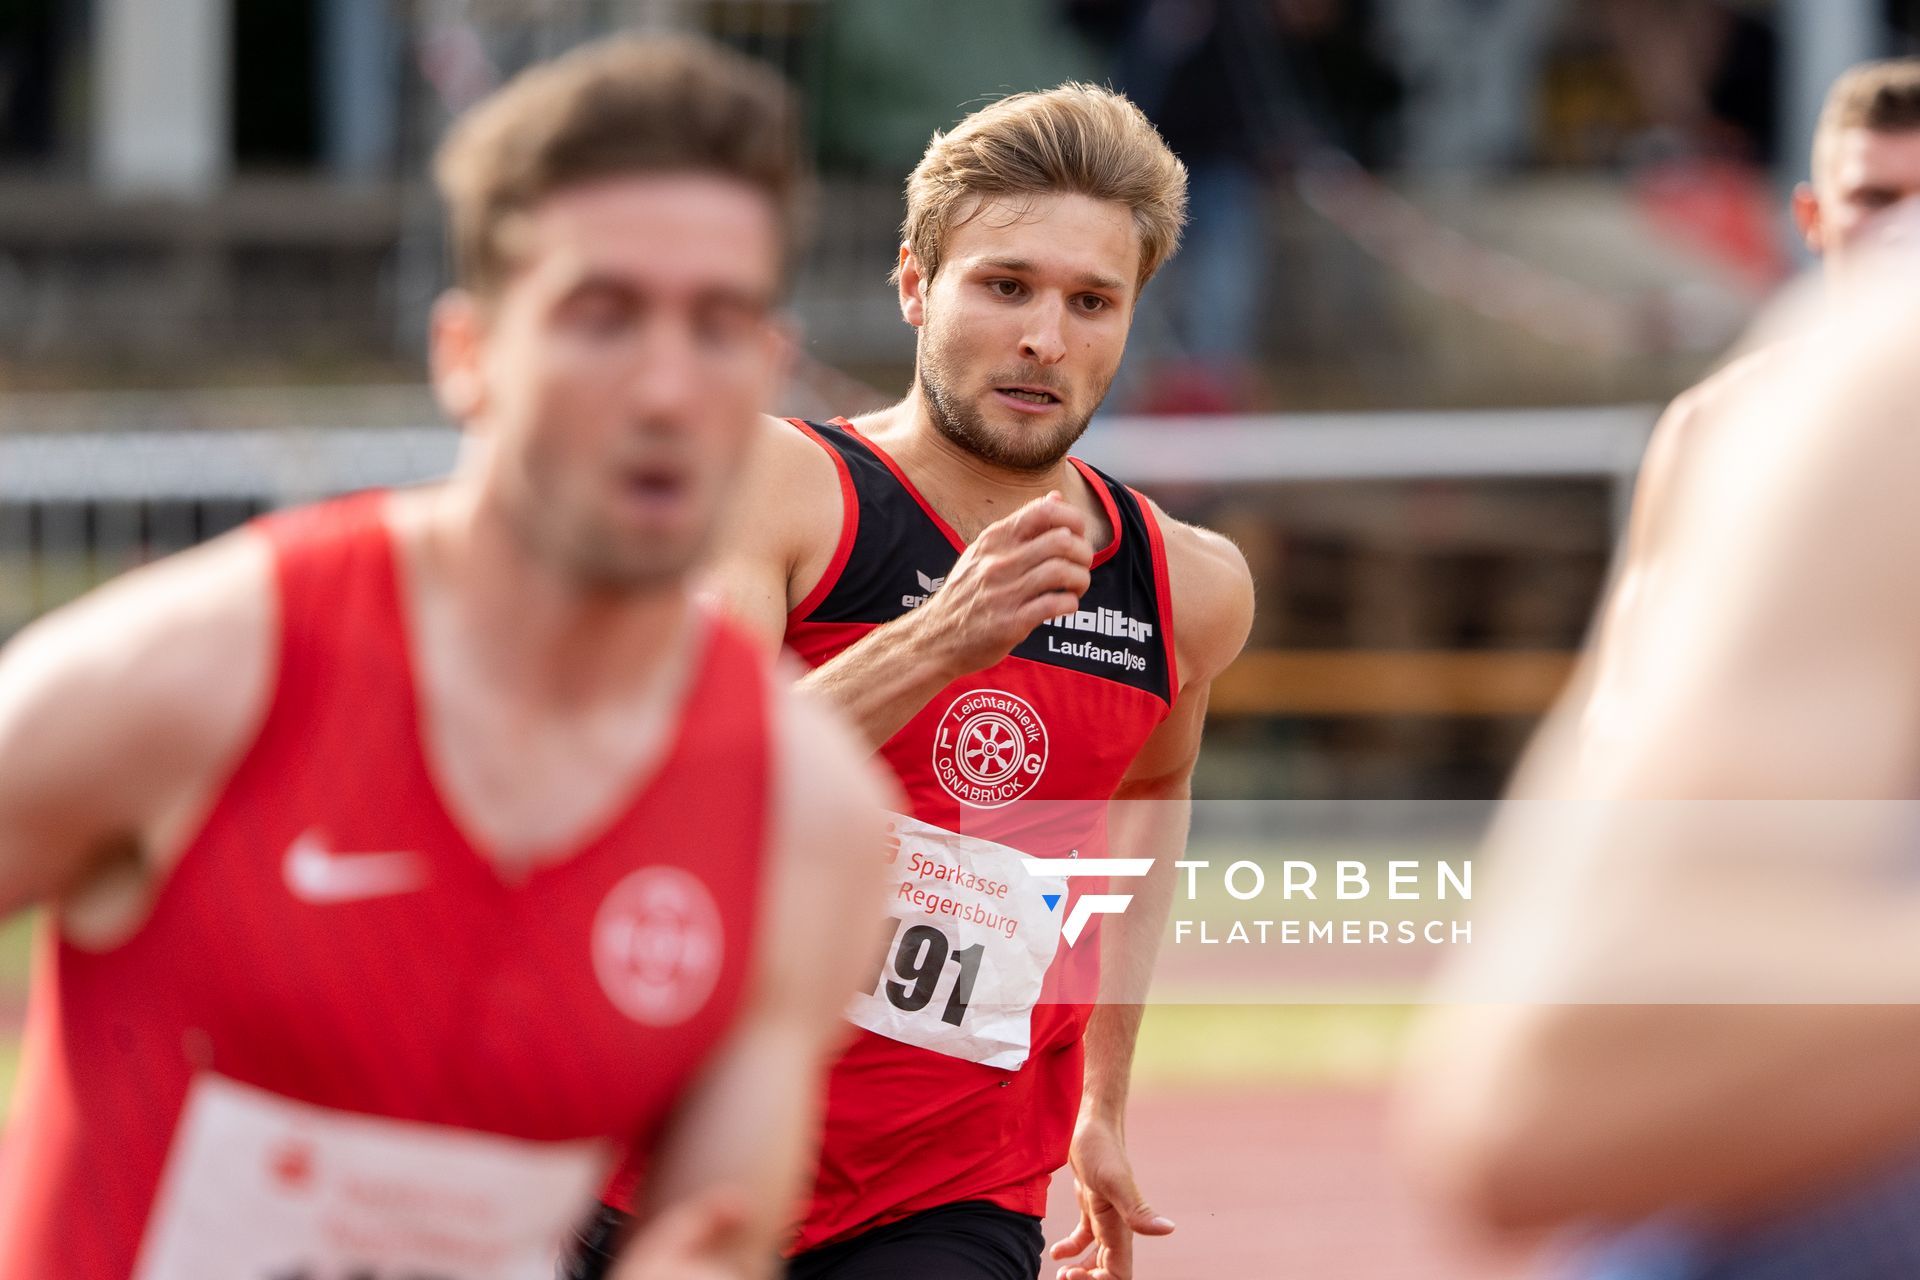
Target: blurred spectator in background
{"x": 1706, "y": 76}
{"x": 1242, "y": 90}
{"x": 1705, "y": 72}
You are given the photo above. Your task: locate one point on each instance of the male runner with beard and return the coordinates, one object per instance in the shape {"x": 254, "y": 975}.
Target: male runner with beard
{"x": 1009, "y": 627}
{"x": 408, "y": 856}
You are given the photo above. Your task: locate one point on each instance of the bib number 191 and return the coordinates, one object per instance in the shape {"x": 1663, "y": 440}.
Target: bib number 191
{"x": 910, "y": 971}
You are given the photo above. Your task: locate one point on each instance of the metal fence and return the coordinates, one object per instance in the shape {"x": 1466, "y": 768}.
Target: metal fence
{"x": 79, "y": 505}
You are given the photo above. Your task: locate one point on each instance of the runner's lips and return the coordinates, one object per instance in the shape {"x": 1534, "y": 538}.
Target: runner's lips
{"x": 655, "y": 488}
{"x": 1014, "y": 399}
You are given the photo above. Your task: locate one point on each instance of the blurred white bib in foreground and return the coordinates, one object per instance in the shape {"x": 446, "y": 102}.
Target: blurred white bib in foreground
{"x": 259, "y": 1187}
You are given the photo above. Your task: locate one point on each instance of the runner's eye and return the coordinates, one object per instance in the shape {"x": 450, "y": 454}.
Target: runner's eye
{"x": 725, "y": 323}
{"x": 599, "y": 311}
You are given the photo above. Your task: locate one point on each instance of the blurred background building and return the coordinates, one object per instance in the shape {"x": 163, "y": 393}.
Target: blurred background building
{"x": 1447, "y": 256}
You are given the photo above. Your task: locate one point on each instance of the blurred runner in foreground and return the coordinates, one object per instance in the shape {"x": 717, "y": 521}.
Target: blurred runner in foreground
{"x": 407, "y": 855}
{"x": 1696, "y": 1018}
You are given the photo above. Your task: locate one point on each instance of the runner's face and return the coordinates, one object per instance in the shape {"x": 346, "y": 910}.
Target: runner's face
{"x": 1023, "y": 326}
{"x": 1869, "y": 175}
{"x": 623, "y": 365}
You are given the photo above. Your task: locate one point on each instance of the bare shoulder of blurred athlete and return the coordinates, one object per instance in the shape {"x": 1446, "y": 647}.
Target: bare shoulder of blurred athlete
{"x": 1676, "y": 438}
{"x": 118, "y": 717}
{"x": 1777, "y": 662}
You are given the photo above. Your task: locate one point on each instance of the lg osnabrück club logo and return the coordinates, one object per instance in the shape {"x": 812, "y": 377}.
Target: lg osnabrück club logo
{"x": 1089, "y": 905}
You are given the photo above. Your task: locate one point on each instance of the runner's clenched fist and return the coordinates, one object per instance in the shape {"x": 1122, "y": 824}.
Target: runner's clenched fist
{"x": 1021, "y": 571}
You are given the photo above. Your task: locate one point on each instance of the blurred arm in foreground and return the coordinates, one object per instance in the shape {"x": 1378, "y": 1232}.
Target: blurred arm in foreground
{"x": 723, "y": 1176}
{"x": 1686, "y": 856}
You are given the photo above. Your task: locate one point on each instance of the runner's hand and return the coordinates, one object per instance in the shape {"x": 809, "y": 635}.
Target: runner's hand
{"x": 697, "y": 1239}
{"x": 1021, "y": 571}
{"x": 1112, "y": 1210}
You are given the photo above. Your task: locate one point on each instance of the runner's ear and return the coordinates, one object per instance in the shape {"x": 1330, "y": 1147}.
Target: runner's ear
{"x": 453, "y": 339}
{"x": 912, "y": 284}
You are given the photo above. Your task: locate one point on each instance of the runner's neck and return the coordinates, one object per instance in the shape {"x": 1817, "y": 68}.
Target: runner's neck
{"x": 553, "y": 642}
{"x": 542, "y": 711}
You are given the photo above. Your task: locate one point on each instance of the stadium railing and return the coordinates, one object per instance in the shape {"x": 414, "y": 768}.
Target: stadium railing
{"x": 79, "y": 505}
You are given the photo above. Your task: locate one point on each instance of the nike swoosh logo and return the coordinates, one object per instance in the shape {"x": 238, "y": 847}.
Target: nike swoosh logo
{"x": 316, "y": 874}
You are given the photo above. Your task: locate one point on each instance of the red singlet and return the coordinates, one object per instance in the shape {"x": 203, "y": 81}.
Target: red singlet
{"x": 346, "y": 1041}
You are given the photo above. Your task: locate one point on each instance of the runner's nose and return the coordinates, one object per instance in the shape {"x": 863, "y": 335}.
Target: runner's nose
{"x": 664, "y": 379}
{"x": 1044, "y": 341}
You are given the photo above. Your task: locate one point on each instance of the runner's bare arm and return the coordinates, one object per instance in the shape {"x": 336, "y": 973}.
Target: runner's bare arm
{"x": 1147, "y": 818}
{"x": 1785, "y": 633}
{"x": 746, "y": 1130}
{"x": 117, "y": 716}
{"x": 1213, "y": 611}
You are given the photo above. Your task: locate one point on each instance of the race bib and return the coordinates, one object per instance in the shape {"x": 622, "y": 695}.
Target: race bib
{"x": 259, "y": 1187}
{"x": 966, "y": 947}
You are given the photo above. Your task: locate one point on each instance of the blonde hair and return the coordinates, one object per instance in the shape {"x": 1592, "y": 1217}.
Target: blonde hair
{"x": 620, "y": 106}
{"x": 1883, "y": 96}
{"x": 1077, "y": 139}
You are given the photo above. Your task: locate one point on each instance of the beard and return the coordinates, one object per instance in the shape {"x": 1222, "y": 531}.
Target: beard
{"x": 1036, "y": 449}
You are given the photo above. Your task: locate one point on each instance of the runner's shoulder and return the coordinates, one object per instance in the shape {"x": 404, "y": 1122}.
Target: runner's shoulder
{"x": 1682, "y": 430}
{"x": 789, "y": 483}
{"x": 782, "y": 443}
{"x": 1212, "y": 594}
{"x": 1710, "y": 397}
{"x": 182, "y": 647}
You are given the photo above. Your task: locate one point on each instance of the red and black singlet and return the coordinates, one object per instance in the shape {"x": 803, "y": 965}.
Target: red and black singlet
{"x": 996, "y": 754}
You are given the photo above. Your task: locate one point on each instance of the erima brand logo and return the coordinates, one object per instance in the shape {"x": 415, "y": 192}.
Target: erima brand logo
{"x": 989, "y": 748}
{"x": 316, "y": 874}
{"x": 927, "y": 587}
{"x": 1089, "y": 905}
{"x": 1105, "y": 622}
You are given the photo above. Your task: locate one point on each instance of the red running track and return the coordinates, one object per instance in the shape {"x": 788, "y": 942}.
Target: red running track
{"x": 1272, "y": 1185}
